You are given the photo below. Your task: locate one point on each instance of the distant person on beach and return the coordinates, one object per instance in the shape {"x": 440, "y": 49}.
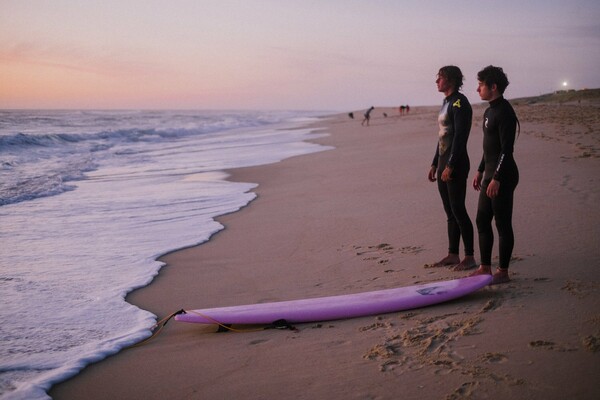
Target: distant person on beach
{"x": 367, "y": 116}
{"x": 498, "y": 175}
{"x": 450, "y": 167}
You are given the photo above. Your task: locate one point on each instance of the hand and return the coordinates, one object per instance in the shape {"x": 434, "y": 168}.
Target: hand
{"x": 477, "y": 181}
{"x": 447, "y": 174}
{"x": 431, "y": 175}
{"x": 493, "y": 189}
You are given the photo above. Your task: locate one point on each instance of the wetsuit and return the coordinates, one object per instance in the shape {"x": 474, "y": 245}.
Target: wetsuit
{"x": 455, "y": 119}
{"x": 499, "y": 129}
{"x": 367, "y": 116}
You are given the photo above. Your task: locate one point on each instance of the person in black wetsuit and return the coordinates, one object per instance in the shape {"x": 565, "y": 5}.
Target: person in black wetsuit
{"x": 498, "y": 175}
{"x": 367, "y": 116}
{"x": 450, "y": 166}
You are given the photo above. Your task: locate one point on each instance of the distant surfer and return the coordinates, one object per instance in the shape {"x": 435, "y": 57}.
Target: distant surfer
{"x": 367, "y": 116}
{"x": 450, "y": 167}
{"x": 498, "y": 175}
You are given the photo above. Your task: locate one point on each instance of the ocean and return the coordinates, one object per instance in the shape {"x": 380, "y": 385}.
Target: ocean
{"x": 89, "y": 200}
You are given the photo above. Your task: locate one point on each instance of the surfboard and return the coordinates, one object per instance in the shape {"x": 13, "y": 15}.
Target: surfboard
{"x": 339, "y": 307}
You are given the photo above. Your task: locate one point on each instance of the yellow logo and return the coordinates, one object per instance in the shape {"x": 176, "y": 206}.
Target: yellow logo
{"x": 456, "y": 103}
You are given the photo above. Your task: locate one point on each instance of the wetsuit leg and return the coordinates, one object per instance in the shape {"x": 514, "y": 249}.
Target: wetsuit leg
{"x": 457, "y": 189}
{"x": 453, "y": 228}
{"x": 500, "y": 209}
{"x": 485, "y": 214}
{"x": 503, "y": 210}
{"x": 453, "y": 195}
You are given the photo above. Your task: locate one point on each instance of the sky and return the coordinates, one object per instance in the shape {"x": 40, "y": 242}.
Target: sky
{"x": 285, "y": 54}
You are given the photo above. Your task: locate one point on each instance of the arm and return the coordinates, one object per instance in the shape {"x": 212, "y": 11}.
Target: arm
{"x": 479, "y": 175}
{"x": 507, "y": 129}
{"x": 432, "y": 171}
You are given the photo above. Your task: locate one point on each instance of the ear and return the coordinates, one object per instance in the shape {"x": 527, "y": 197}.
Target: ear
{"x": 494, "y": 88}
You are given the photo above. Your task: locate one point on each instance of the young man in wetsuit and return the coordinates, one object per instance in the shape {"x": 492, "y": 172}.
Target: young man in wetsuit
{"x": 498, "y": 175}
{"x": 450, "y": 166}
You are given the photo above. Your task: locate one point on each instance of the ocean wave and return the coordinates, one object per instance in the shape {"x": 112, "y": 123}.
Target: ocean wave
{"x": 25, "y": 140}
{"x": 34, "y": 188}
{"x": 20, "y": 182}
{"x": 40, "y": 151}
{"x": 19, "y": 129}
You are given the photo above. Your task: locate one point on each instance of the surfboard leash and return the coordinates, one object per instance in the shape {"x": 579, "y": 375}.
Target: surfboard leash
{"x": 157, "y": 328}
{"x": 222, "y": 327}
{"x": 279, "y": 324}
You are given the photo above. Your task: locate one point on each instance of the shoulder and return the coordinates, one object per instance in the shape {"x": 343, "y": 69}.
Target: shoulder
{"x": 507, "y": 109}
{"x": 459, "y": 102}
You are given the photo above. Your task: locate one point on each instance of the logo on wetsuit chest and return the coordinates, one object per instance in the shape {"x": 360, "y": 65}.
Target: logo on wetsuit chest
{"x": 486, "y": 122}
{"x": 456, "y": 103}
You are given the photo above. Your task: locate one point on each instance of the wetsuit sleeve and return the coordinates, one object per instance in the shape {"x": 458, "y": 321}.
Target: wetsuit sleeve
{"x": 481, "y": 167}
{"x": 462, "y": 115}
{"x": 507, "y": 130}
{"x": 434, "y": 163}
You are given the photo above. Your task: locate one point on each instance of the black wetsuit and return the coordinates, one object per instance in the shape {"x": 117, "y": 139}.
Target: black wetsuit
{"x": 499, "y": 130}
{"x": 455, "y": 124}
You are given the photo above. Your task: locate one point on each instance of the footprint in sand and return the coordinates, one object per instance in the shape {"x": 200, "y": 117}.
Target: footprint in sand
{"x": 591, "y": 343}
{"x": 428, "y": 343}
{"x": 376, "y": 326}
{"x": 494, "y": 358}
{"x": 378, "y": 249}
{"x": 465, "y": 391}
{"x": 581, "y": 289}
{"x": 549, "y": 345}
{"x": 382, "y": 251}
{"x": 382, "y": 351}
{"x": 491, "y": 305}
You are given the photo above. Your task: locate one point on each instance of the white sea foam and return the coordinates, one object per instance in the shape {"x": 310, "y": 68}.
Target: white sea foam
{"x": 88, "y": 201}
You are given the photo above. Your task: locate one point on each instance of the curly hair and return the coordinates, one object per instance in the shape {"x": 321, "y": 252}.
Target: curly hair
{"x": 453, "y": 74}
{"x": 491, "y": 75}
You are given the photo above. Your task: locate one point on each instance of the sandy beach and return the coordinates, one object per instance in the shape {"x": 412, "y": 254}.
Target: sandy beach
{"x": 362, "y": 217}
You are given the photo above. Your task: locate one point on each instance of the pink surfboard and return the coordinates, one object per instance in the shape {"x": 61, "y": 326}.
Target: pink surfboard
{"x": 340, "y": 307}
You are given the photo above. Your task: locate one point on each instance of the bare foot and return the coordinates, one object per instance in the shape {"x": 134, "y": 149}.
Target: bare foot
{"x": 466, "y": 264}
{"x": 450, "y": 259}
{"x": 482, "y": 270}
{"x": 501, "y": 276}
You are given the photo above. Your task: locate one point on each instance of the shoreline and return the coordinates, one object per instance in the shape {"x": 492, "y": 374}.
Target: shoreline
{"x": 315, "y": 229}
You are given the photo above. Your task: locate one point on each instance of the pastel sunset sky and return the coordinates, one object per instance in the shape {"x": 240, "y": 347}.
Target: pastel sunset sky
{"x": 285, "y": 54}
